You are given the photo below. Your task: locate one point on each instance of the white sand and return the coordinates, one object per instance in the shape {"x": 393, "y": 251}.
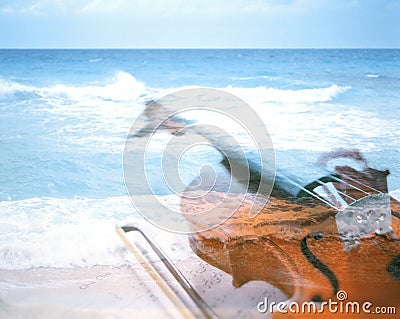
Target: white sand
{"x": 97, "y": 292}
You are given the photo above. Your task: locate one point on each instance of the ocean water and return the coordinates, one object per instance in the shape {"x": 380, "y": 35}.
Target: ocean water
{"x": 65, "y": 115}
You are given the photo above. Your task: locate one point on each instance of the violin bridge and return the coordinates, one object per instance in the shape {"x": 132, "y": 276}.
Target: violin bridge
{"x": 370, "y": 214}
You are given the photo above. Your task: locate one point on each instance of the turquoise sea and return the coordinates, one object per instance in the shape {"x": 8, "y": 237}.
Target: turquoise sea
{"x": 65, "y": 115}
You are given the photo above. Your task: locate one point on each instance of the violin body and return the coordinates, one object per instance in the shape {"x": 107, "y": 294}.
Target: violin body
{"x": 296, "y": 247}
{"x": 295, "y": 241}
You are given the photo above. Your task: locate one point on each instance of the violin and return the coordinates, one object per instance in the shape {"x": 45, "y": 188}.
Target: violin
{"x": 295, "y": 245}
{"x": 332, "y": 239}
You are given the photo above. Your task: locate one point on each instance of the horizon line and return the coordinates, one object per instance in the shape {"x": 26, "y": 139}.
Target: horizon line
{"x": 199, "y": 48}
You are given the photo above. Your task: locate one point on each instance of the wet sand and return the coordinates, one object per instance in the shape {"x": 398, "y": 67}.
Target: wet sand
{"x": 96, "y": 292}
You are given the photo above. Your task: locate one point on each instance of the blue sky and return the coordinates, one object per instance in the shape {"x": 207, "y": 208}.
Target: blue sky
{"x": 199, "y": 23}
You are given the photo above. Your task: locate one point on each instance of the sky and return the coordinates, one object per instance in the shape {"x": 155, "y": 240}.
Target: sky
{"x": 199, "y": 23}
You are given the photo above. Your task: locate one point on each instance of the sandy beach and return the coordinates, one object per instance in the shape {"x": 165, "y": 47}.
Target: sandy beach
{"x": 96, "y": 292}
{"x": 128, "y": 290}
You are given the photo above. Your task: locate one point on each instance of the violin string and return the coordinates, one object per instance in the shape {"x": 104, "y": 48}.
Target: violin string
{"x": 310, "y": 193}
{"x": 332, "y": 194}
{"x": 340, "y": 192}
{"x": 361, "y": 183}
{"x": 351, "y": 185}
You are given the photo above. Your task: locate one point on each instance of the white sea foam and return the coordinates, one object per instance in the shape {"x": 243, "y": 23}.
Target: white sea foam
{"x": 54, "y": 232}
{"x": 288, "y": 96}
{"x": 10, "y": 87}
{"x": 99, "y": 116}
{"x": 123, "y": 87}
{"x": 95, "y": 60}
{"x": 248, "y": 78}
{"x": 327, "y": 126}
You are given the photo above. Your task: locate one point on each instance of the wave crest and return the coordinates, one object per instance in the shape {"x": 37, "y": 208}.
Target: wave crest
{"x": 265, "y": 94}
{"x": 123, "y": 87}
{"x": 10, "y": 87}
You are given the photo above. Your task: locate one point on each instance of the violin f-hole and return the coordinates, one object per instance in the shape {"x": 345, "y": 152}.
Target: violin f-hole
{"x": 318, "y": 264}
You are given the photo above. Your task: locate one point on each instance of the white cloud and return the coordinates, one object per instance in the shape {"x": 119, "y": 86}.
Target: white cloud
{"x": 197, "y": 23}
{"x": 153, "y": 7}
{"x": 7, "y": 10}
{"x": 209, "y": 8}
{"x": 104, "y": 5}
{"x": 177, "y": 7}
{"x": 40, "y": 7}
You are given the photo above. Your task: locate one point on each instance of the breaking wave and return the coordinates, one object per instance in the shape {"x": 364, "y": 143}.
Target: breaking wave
{"x": 63, "y": 233}
{"x": 289, "y": 96}
{"x": 125, "y": 87}
{"x": 101, "y": 114}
